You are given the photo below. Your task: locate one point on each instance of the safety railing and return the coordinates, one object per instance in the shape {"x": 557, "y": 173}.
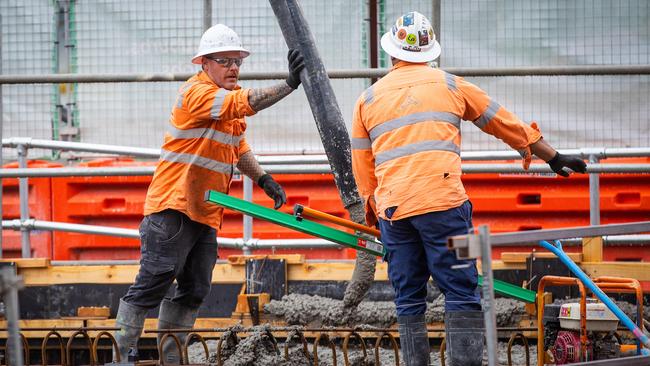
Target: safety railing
{"x": 333, "y": 74}
{"x": 297, "y": 164}
{"x": 292, "y": 164}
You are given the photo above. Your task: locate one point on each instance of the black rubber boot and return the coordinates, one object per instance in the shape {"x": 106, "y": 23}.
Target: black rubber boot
{"x": 414, "y": 340}
{"x": 465, "y": 335}
{"x": 174, "y": 316}
{"x": 130, "y": 320}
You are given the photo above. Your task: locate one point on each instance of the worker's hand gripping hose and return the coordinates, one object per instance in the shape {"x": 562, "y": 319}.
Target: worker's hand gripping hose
{"x": 296, "y": 64}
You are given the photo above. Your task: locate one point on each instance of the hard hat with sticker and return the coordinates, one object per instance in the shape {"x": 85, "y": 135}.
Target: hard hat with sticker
{"x": 411, "y": 39}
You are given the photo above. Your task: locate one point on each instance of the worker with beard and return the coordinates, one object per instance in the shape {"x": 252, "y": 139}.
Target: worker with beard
{"x": 203, "y": 144}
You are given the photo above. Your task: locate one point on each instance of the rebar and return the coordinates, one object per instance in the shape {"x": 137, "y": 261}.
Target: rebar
{"x": 526, "y": 347}
{"x": 187, "y": 343}
{"x": 95, "y": 345}
{"x": 61, "y": 348}
{"x": 68, "y": 349}
{"x": 393, "y": 343}
{"x": 346, "y": 341}
{"x": 294, "y": 335}
{"x": 331, "y": 344}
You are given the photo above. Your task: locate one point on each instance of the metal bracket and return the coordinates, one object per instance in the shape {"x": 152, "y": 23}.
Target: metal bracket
{"x": 469, "y": 248}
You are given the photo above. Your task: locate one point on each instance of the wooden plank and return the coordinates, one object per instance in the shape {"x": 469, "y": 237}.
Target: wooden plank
{"x": 111, "y": 274}
{"x": 93, "y": 311}
{"x": 28, "y": 262}
{"x": 289, "y": 258}
{"x": 332, "y": 271}
{"x": 223, "y": 273}
{"x": 638, "y": 270}
{"x": 592, "y": 249}
{"x": 498, "y": 265}
{"x": 521, "y": 257}
{"x": 48, "y": 324}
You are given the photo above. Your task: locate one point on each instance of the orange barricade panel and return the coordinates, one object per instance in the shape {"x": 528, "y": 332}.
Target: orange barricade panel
{"x": 506, "y": 202}
{"x": 40, "y": 208}
{"x": 104, "y": 201}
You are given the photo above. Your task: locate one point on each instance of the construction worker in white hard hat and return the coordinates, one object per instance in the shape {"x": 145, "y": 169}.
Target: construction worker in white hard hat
{"x": 204, "y": 142}
{"x": 406, "y": 161}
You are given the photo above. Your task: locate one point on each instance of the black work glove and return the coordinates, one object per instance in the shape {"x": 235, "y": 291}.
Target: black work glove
{"x": 560, "y": 161}
{"x": 296, "y": 64}
{"x": 273, "y": 190}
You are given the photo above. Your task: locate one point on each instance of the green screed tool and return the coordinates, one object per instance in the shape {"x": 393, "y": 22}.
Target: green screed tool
{"x": 356, "y": 241}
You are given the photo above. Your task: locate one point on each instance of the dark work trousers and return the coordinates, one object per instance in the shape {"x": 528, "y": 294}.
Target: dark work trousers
{"x": 416, "y": 248}
{"x": 173, "y": 247}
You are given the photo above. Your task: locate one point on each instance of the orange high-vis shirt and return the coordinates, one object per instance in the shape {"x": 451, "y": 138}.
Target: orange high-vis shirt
{"x": 406, "y": 139}
{"x": 203, "y": 142}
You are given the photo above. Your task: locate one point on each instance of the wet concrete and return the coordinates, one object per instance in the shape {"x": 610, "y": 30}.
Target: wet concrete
{"x": 314, "y": 310}
{"x": 258, "y": 348}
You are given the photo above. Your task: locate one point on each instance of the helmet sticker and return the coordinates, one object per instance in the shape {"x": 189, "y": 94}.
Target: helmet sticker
{"x": 411, "y": 38}
{"x": 430, "y": 33}
{"x": 401, "y": 34}
{"x": 408, "y": 19}
{"x": 423, "y": 35}
{"x": 394, "y": 29}
{"x": 399, "y": 21}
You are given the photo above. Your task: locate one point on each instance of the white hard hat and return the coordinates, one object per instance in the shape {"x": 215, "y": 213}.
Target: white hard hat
{"x": 219, "y": 38}
{"x": 411, "y": 39}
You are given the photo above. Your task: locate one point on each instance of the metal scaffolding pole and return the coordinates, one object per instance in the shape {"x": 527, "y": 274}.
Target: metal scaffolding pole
{"x": 594, "y": 194}
{"x": 248, "y": 221}
{"x": 332, "y": 74}
{"x": 23, "y": 192}
{"x": 10, "y": 284}
{"x": 207, "y": 14}
{"x": 488, "y": 295}
{"x": 308, "y": 169}
{"x": 584, "y": 153}
{"x": 534, "y": 236}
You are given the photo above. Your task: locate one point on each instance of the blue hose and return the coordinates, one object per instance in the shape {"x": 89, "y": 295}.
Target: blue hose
{"x": 557, "y": 250}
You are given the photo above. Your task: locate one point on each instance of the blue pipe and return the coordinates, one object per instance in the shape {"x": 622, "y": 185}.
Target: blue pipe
{"x": 557, "y": 250}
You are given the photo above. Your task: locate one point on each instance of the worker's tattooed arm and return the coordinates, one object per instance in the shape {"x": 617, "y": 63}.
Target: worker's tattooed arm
{"x": 261, "y": 98}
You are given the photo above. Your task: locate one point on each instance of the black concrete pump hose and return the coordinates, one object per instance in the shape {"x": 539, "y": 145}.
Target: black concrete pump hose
{"x": 333, "y": 133}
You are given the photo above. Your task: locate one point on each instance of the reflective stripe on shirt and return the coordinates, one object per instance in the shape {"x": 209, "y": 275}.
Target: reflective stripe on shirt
{"x": 214, "y": 165}
{"x": 410, "y": 149}
{"x": 219, "y": 97}
{"x": 208, "y": 133}
{"x": 360, "y": 143}
{"x": 411, "y": 119}
{"x": 487, "y": 116}
{"x": 451, "y": 81}
{"x": 368, "y": 96}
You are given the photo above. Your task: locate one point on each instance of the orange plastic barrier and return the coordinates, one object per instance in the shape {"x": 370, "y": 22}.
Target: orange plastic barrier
{"x": 40, "y": 208}
{"x": 105, "y": 201}
{"x": 119, "y": 202}
{"x": 511, "y": 202}
{"x": 507, "y": 202}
